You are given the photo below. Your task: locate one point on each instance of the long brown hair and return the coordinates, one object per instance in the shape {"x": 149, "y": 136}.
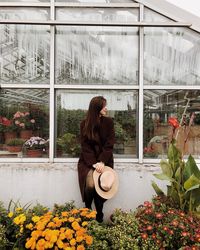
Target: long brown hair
{"x": 92, "y": 120}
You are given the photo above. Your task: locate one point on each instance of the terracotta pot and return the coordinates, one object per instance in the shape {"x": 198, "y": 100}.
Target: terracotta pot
{"x": 14, "y": 149}
{"x": 9, "y": 136}
{"x": 26, "y": 134}
{"x": 34, "y": 152}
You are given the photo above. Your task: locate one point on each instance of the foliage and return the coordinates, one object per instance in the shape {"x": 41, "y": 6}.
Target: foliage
{"x": 3, "y": 240}
{"x": 58, "y": 209}
{"x": 71, "y": 145}
{"x": 184, "y": 179}
{"x": 162, "y": 226}
{"x": 68, "y": 121}
{"x": 120, "y": 133}
{"x": 15, "y": 142}
{"x": 36, "y": 143}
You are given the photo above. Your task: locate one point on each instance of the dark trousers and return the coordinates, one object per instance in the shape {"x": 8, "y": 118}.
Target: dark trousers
{"x": 91, "y": 194}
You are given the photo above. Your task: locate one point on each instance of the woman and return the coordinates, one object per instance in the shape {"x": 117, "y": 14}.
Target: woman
{"x": 97, "y": 140}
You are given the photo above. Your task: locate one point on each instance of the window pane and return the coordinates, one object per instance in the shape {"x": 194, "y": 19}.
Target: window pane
{"x": 97, "y": 14}
{"x": 24, "y": 54}
{"x": 122, "y": 106}
{"x": 151, "y": 16}
{"x": 19, "y": 1}
{"x": 171, "y": 56}
{"x": 159, "y": 105}
{"x": 24, "y": 113}
{"x": 96, "y": 55}
{"x": 19, "y": 13}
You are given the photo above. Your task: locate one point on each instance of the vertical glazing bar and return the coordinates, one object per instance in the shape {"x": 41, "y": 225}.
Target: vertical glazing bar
{"x": 141, "y": 70}
{"x": 52, "y": 94}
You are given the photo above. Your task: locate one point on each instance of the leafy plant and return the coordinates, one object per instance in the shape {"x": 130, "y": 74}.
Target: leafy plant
{"x": 70, "y": 142}
{"x": 184, "y": 177}
{"x": 16, "y": 142}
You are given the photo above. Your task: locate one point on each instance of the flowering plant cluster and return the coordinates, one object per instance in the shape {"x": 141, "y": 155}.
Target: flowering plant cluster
{"x": 150, "y": 152}
{"x": 7, "y": 125}
{"x": 36, "y": 142}
{"x": 23, "y": 120}
{"x": 65, "y": 230}
{"x": 167, "y": 227}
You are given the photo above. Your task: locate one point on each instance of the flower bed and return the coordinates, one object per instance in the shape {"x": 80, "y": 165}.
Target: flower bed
{"x": 153, "y": 225}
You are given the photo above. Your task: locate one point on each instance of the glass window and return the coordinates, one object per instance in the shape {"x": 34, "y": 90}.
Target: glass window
{"x": 19, "y": 1}
{"x": 122, "y": 106}
{"x": 171, "y": 56}
{"x": 97, "y": 14}
{"x": 96, "y": 1}
{"x": 159, "y": 106}
{"x": 152, "y": 16}
{"x": 24, "y": 54}
{"x": 19, "y": 13}
{"x": 97, "y": 55}
{"x": 24, "y": 114}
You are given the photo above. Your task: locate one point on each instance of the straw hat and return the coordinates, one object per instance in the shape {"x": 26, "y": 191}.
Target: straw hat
{"x": 106, "y": 183}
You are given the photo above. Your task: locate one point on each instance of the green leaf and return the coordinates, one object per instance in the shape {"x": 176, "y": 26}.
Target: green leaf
{"x": 158, "y": 191}
{"x": 191, "y": 182}
{"x": 174, "y": 157}
{"x": 191, "y": 168}
{"x": 164, "y": 177}
{"x": 166, "y": 168}
{"x": 192, "y": 188}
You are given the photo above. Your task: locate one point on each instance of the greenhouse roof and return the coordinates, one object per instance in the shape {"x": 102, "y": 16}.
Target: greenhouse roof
{"x": 173, "y": 12}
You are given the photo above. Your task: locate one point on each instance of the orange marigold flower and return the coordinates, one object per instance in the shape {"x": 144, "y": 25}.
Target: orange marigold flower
{"x": 75, "y": 225}
{"x": 80, "y": 247}
{"x": 64, "y": 214}
{"x": 88, "y": 240}
{"x": 60, "y": 243}
{"x": 79, "y": 238}
{"x": 72, "y": 242}
{"x": 31, "y": 243}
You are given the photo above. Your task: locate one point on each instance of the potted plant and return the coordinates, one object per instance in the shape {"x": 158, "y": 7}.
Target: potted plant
{"x": 25, "y": 123}
{"x": 15, "y": 145}
{"x": 35, "y": 146}
{"x": 9, "y": 128}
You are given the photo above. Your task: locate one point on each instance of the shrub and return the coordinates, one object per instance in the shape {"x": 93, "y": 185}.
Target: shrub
{"x": 166, "y": 227}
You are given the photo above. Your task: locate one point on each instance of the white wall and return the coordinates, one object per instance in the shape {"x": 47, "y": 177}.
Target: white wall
{"x": 58, "y": 183}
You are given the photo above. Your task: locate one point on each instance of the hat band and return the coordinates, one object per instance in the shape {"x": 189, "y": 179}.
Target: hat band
{"x": 100, "y": 184}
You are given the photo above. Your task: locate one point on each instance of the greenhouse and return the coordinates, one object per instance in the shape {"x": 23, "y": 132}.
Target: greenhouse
{"x": 55, "y": 55}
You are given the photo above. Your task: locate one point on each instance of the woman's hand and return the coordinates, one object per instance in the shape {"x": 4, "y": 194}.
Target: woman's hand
{"x": 99, "y": 166}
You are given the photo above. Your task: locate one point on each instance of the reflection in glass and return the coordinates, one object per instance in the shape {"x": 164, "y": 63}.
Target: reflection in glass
{"x": 96, "y": 55}
{"x": 24, "y": 113}
{"x": 24, "y": 54}
{"x": 171, "y": 56}
{"x": 97, "y": 14}
{"x": 19, "y": 13}
{"x": 159, "y": 106}
{"x": 122, "y": 106}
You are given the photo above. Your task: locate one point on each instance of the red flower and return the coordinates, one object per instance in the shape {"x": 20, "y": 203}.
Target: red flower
{"x": 173, "y": 122}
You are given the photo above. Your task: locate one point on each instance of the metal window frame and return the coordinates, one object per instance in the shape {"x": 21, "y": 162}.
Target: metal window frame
{"x": 53, "y": 87}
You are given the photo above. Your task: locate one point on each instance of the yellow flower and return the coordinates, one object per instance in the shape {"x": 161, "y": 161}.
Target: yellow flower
{"x": 10, "y": 215}
{"x": 74, "y": 211}
{"x": 71, "y": 219}
{"x": 29, "y": 226}
{"x": 88, "y": 240}
{"x": 35, "y": 218}
{"x": 85, "y": 223}
{"x": 91, "y": 215}
{"x": 18, "y": 209}
{"x": 40, "y": 244}
{"x": 69, "y": 234}
{"x": 72, "y": 242}
{"x": 80, "y": 247}
{"x": 20, "y": 219}
{"x": 36, "y": 234}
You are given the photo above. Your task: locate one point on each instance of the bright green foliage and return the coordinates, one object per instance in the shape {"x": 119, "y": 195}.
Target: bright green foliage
{"x": 184, "y": 179}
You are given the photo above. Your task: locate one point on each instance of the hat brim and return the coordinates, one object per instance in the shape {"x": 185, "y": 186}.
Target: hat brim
{"x": 109, "y": 194}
